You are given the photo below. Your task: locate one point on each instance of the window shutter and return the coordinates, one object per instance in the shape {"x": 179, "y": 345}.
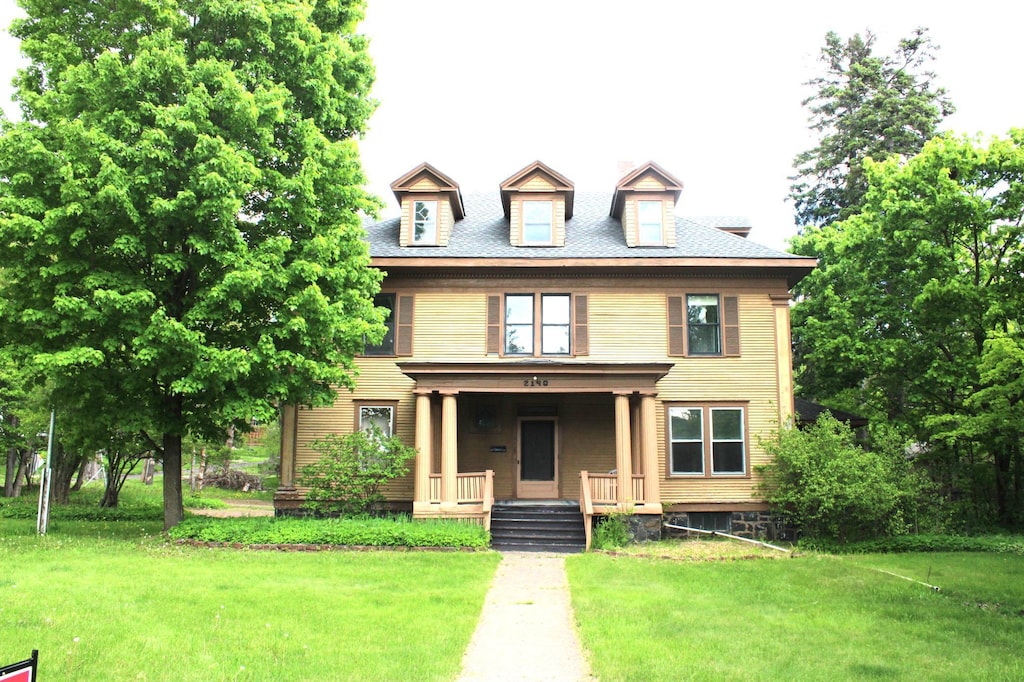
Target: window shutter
{"x": 493, "y": 325}
{"x": 731, "y": 326}
{"x": 581, "y": 331}
{"x": 403, "y": 329}
{"x": 675, "y": 326}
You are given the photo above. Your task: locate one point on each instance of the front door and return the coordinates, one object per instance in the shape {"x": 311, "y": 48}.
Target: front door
{"x": 538, "y": 460}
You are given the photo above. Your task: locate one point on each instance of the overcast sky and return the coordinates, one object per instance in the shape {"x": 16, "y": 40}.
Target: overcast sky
{"x": 710, "y": 91}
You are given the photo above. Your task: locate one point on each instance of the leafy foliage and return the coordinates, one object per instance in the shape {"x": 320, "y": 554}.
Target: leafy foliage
{"x": 178, "y": 209}
{"x": 364, "y": 532}
{"x": 995, "y": 544}
{"x": 914, "y": 315}
{"x": 830, "y": 487}
{"x": 612, "y": 531}
{"x": 347, "y": 478}
{"x": 863, "y": 106}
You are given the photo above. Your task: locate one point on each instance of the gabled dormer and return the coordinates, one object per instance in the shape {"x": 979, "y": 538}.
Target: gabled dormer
{"x": 537, "y": 202}
{"x": 431, "y": 203}
{"x": 644, "y": 202}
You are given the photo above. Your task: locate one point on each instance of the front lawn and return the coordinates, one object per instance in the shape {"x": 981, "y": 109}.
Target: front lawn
{"x": 127, "y": 606}
{"x": 811, "y": 617}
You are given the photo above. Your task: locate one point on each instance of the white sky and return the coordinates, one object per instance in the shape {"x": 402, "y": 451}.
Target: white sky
{"x": 710, "y": 91}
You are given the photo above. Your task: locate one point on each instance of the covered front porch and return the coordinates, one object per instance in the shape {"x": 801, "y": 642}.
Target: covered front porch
{"x": 535, "y": 430}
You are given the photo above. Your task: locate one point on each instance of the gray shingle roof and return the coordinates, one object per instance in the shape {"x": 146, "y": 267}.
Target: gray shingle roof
{"x": 590, "y": 233}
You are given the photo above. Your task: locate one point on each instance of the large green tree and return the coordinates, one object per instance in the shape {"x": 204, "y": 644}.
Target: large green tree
{"x": 179, "y": 207}
{"x": 863, "y": 106}
{"x": 917, "y": 310}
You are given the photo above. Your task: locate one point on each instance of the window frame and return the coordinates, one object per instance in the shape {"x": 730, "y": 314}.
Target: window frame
{"x": 433, "y": 239}
{"x": 360, "y": 405}
{"x": 525, "y": 224}
{"x": 708, "y": 439}
{"x": 640, "y": 240}
{"x": 691, "y": 327}
{"x": 537, "y": 324}
{"x": 391, "y": 322}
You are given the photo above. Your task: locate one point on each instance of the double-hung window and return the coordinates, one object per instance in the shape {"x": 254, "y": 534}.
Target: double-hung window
{"x": 649, "y": 223}
{"x": 387, "y": 344}
{"x": 707, "y": 440}
{"x": 424, "y": 223}
{"x": 397, "y": 340}
{"x": 703, "y": 336}
{"x": 538, "y": 222}
{"x": 535, "y": 321}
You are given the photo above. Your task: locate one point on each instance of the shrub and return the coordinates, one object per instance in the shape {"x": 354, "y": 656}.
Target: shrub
{"x": 348, "y": 476}
{"x": 834, "y": 489}
{"x": 364, "y": 532}
{"x": 996, "y": 544}
{"x": 612, "y": 531}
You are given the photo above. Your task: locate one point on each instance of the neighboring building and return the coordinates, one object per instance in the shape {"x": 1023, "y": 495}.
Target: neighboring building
{"x": 549, "y": 344}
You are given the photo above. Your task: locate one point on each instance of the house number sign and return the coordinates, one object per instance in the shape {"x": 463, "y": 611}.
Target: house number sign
{"x": 535, "y": 382}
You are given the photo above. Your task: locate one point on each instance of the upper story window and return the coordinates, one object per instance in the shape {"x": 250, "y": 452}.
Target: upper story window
{"x": 706, "y": 439}
{"x": 424, "y": 224}
{"x": 523, "y": 334}
{"x": 703, "y": 335}
{"x": 538, "y": 222}
{"x": 650, "y": 230}
{"x": 399, "y": 322}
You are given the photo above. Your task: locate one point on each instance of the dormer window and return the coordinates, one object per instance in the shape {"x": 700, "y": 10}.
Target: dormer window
{"x": 650, "y": 215}
{"x": 424, "y": 223}
{"x": 537, "y": 222}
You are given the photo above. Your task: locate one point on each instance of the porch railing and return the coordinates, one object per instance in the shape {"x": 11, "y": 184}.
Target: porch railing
{"x": 474, "y": 491}
{"x": 599, "y": 493}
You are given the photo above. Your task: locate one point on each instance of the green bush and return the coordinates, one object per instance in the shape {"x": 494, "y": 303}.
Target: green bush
{"x": 996, "y": 544}
{"x": 831, "y": 488}
{"x": 363, "y": 532}
{"x": 347, "y": 478}
{"x": 612, "y": 531}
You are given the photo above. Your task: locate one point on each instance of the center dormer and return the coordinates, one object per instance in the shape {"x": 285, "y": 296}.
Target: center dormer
{"x": 645, "y": 201}
{"x": 537, "y": 201}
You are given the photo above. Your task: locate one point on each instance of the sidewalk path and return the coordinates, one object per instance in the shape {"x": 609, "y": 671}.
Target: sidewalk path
{"x": 526, "y": 630}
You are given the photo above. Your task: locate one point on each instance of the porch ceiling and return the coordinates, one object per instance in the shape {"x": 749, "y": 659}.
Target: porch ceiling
{"x": 531, "y": 376}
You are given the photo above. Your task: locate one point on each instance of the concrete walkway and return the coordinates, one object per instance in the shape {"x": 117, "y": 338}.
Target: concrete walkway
{"x": 526, "y": 630}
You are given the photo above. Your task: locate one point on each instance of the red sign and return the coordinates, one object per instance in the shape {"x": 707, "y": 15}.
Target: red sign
{"x": 23, "y": 671}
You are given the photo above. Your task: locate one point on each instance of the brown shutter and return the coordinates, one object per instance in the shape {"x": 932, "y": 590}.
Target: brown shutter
{"x": 675, "y": 326}
{"x": 731, "y": 326}
{"x": 403, "y": 330}
{"x": 493, "y": 325}
{"x": 581, "y": 331}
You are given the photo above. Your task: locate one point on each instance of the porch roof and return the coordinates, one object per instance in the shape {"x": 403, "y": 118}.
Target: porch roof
{"x": 536, "y": 376}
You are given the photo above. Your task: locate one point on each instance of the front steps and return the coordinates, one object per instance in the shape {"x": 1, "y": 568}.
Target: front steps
{"x": 542, "y": 526}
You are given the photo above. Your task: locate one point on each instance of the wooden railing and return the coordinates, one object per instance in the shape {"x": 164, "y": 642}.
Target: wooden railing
{"x": 599, "y": 494}
{"x": 471, "y": 490}
{"x": 586, "y": 506}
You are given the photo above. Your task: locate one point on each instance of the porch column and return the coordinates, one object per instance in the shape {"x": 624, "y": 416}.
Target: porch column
{"x": 449, "y": 451}
{"x": 289, "y": 422}
{"x": 424, "y": 440}
{"x": 784, "y": 358}
{"x": 623, "y": 451}
{"x": 649, "y": 449}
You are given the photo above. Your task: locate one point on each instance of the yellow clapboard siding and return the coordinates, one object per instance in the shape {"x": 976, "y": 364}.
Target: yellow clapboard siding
{"x": 649, "y": 182}
{"x": 537, "y": 183}
{"x": 425, "y": 184}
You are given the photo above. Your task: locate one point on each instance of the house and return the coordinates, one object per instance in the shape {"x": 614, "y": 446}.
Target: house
{"x": 588, "y": 348}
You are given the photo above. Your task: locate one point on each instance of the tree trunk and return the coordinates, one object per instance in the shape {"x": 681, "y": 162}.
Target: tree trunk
{"x": 81, "y": 475}
{"x": 174, "y": 511}
{"x": 11, "y": 472}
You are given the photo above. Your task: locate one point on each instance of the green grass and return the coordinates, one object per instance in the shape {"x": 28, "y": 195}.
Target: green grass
{"x": 813, "y": 617}
{"x": 127, "y": 606}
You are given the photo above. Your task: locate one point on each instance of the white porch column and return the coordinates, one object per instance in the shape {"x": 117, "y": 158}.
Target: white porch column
{"x": 623, "y": 451}
{"x": 449, "y": 452}
{"x": 649, "y": 449}
{"x": 424, "y": 441}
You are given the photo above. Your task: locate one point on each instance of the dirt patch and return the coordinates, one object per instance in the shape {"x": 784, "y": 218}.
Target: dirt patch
{"x": 239, "y": 508}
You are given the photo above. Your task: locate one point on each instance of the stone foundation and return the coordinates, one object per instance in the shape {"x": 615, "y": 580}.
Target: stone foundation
{"x": 756, "y": 525}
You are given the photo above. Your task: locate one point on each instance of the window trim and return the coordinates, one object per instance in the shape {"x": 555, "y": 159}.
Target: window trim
{"x": 538, "y": 325}
{"x": 359, "y": 405}
{"x": 660, "y": 241}
{"x": 434, "y": 214}
{"x": 717, "y": 326}
{"x": 400, "y": 324}
{"x": 523, "y": 224}
{"x": 708, "y": 438}
{"x": 678, "y": 325}
{"x": 391, "y": 322}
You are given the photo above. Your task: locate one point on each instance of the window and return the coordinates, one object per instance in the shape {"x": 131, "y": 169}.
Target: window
{"x": 387, "y": 344}
{"x": 703, "y": 325}
{"x": 398, "y": 338}
{"x": 424, "y": 223}
{"x": 523, "y": 335}
{"x": 381, "y": 417}
{"x": 703, "y": 336}
{"x": 649, "y": 217}
{"x": 537, "y": 222}
{"x": 706, "y": 439}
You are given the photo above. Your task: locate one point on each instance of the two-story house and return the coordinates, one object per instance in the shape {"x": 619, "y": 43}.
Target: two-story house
{"x": 594, "y": 348}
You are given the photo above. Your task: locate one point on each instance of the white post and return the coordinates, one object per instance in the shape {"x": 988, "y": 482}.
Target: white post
{"x": 43, "y": 515}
